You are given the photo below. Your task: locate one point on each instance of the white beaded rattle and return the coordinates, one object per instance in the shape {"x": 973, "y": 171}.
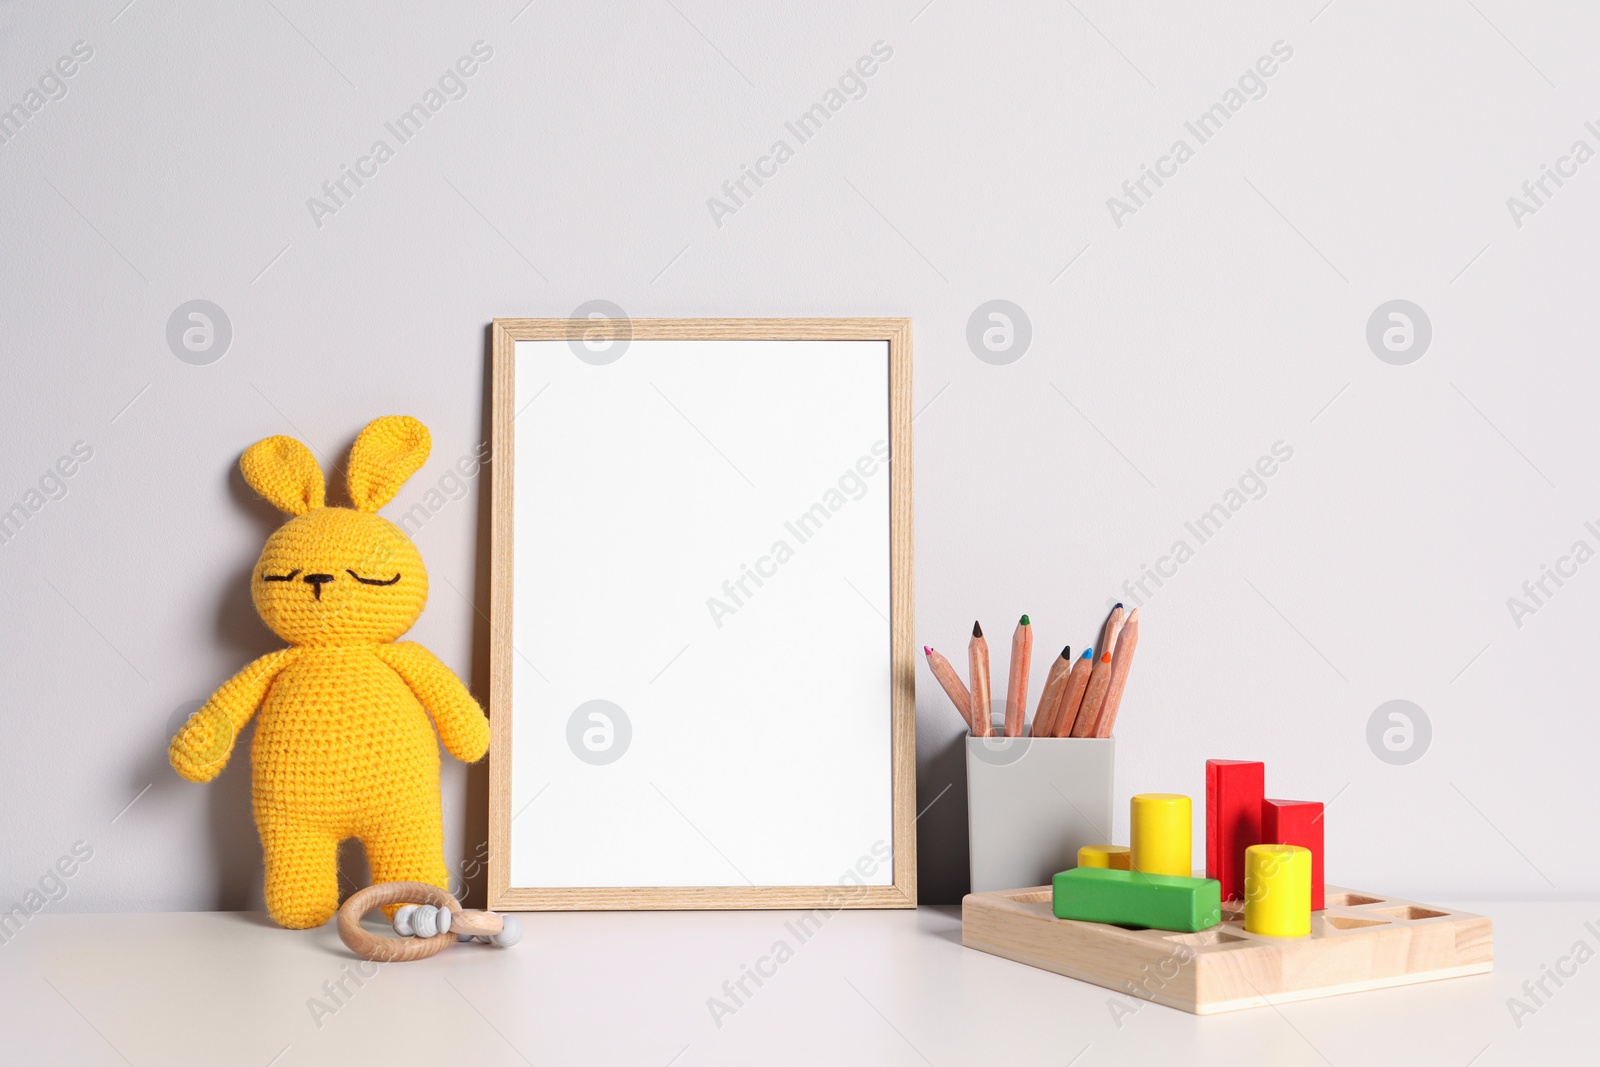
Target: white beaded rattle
{"x": 426, "y": 928}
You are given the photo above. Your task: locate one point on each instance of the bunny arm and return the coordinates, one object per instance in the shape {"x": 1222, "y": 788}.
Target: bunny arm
{"x": 460, "y": 721}
{"x": 201, "y": 749}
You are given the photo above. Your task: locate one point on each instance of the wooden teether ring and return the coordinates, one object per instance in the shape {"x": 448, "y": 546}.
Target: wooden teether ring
{"x": 401, "y": 949}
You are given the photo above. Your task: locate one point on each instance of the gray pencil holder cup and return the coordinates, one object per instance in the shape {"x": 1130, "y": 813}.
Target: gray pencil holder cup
{"x": 1032, "y": 803}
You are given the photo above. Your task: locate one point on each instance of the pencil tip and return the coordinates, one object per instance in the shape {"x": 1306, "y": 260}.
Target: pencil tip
{"x": 926, "y": 651}
{"x": 1024, "y": 621}
{"x": 1088, "y": 653}
{"x": 1066, "y": 652}
{"x": 1118, "y": 605}
{"x": 977, "y": 631}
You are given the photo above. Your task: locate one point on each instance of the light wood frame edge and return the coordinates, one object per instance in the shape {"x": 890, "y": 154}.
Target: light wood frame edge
{"x": 903, "y": 892}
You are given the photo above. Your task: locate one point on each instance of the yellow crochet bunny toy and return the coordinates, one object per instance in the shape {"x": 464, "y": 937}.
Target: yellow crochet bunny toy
{"x": 344, "y": 747}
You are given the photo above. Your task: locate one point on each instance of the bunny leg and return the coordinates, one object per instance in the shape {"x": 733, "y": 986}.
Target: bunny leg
{"x": 302, "y": 875}
{"x": 410, "y": 850}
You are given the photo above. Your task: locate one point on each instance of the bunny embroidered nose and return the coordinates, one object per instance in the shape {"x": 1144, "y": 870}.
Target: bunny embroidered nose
{"x": 316, "y": 581}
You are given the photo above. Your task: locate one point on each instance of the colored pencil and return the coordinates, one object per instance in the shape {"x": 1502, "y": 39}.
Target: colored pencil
{"x": 1094, "y": 696}
{"x": 1064, "y": 722}
{"x": 1111, "y": 631}
{"x": 1017, "y": 682}
{"x": 978, "y": 672}
{"x": 951, "y": 682}
{"x": 1052, "y": 690}
{"x": 1100, "y": 680}
{"x": 1121, "y": 663}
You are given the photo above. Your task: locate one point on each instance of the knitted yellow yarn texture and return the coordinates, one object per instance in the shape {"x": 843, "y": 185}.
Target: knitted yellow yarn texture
{"x": 345, "y": 746}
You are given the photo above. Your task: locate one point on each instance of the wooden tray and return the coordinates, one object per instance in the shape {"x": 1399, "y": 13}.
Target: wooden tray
{"x": 1361, "y": 941}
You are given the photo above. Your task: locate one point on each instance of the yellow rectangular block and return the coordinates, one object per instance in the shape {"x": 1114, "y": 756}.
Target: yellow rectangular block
{"x": 1108, "y": 857}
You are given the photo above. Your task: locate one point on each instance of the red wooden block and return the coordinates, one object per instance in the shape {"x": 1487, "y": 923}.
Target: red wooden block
{"x": 1297, "y": 822}
{"x": 1234, "y": 792}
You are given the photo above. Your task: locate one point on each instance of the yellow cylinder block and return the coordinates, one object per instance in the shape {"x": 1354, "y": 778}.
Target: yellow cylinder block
{"x": 1161, "y": 834}
{"x": 1112, "y": 857}
{"x": 1277, "y": 890}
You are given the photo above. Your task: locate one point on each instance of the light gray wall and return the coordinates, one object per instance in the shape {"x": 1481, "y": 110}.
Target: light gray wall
{"x": 1171, "y": 347}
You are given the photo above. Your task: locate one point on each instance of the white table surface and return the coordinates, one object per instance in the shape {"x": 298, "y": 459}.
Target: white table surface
{"x": 632, "y": 988}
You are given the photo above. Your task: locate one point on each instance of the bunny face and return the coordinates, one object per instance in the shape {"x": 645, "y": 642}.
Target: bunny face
{"x": 339, "y": 576}
{"x": 336, "y": 576}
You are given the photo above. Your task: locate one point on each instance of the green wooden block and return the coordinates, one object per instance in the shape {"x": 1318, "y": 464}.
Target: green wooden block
{"x": 1133, "y": 898}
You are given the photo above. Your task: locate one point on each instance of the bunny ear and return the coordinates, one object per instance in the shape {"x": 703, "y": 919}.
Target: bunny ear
{"x": 388, "y": 452}
{"x": 285, "y": 472}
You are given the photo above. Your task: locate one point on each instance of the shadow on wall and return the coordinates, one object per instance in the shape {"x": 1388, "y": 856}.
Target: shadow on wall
{"x": 232, "y": 846}
{"x": 475, "y": 828}
{"x": 233, "y": 849}
{"x": 942, "y": 873}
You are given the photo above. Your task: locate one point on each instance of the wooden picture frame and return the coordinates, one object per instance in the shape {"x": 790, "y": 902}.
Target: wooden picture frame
{"x": 900, "y": 889}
